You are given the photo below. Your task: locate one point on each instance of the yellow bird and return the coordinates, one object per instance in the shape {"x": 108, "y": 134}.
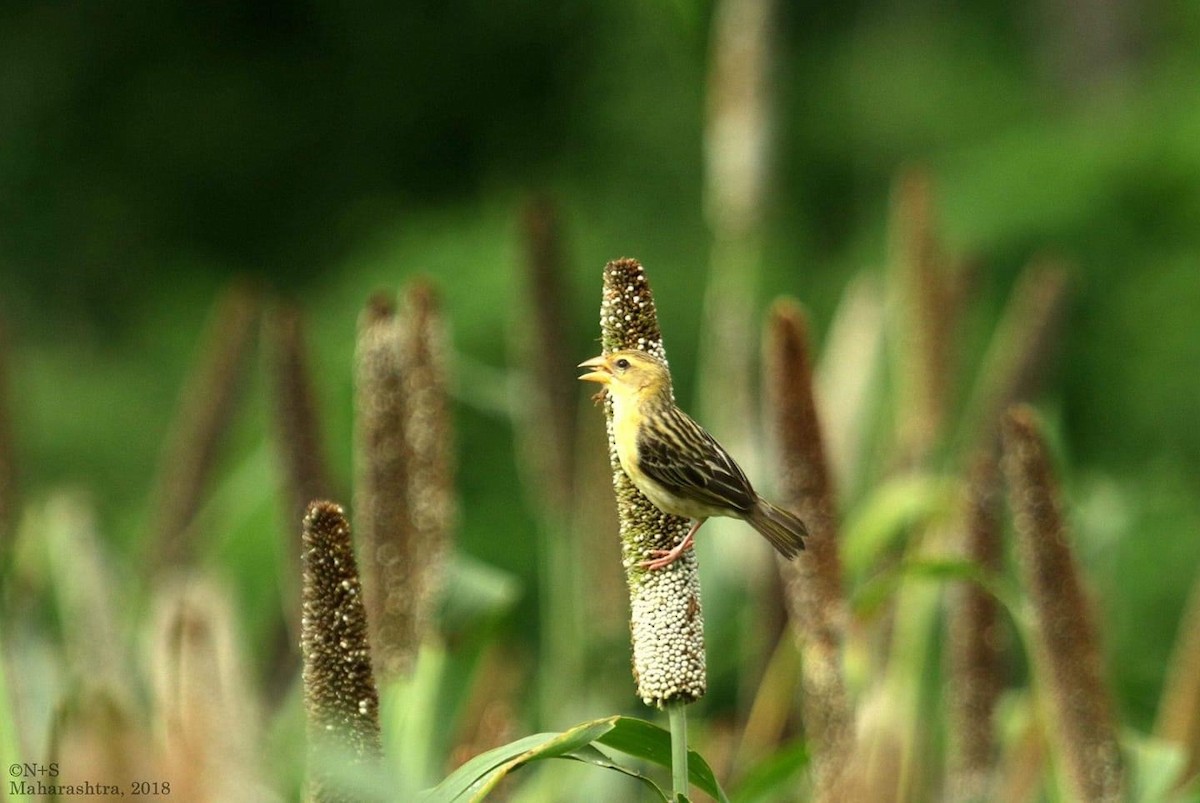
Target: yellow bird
{"x": 675, "y": 462}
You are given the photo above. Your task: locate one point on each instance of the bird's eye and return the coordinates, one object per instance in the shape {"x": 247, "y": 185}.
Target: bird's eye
{"x": 622, "y": 363}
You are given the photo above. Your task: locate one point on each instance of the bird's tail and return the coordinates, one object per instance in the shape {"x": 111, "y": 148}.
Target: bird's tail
{"x": 784, "y": 530}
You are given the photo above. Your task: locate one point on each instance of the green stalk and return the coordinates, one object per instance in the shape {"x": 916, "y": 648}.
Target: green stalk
{"x": 413, "y": 715}
{"x": 677, "y": 711}
{"x": 10, "y": 745}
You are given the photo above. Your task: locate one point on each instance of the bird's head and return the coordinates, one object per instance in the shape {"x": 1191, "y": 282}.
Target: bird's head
{"x": 629, "y": 373}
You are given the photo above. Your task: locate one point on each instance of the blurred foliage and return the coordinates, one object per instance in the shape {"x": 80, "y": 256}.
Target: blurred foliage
{"x": 153, "y": 150}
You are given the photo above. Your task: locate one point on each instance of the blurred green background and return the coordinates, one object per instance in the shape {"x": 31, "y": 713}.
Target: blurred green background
{"x": 151, "y": 151}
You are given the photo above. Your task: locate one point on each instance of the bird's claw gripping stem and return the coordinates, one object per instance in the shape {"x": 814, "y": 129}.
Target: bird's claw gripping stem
{"x": 665, "y": 557}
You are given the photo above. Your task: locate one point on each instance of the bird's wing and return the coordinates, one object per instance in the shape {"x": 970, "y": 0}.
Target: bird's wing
{"x": 680, "y": 455}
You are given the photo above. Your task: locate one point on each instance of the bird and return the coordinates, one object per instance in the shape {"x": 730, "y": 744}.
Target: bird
{"x": 675, "y": 462}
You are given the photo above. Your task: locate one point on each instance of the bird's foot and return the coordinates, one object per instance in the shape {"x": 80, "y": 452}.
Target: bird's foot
{"x": 665, "y": 557}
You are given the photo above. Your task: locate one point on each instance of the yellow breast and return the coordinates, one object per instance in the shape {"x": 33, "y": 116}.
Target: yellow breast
{"x": 625, "y": 433}
{"x": 626, "y": 423}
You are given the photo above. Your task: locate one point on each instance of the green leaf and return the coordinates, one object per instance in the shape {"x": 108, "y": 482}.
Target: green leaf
{"x": 476, "y": 592}
{"x": 1155, "y": 767}
{"x": 562, "y": 746}
{"x": 458, "y": 782}
{"x": 475, "y": 779}
{"x": 776, "y": 777}
{"x": 589, "y": 754}
{"x": 645, "y": 740}
{"x": 887, "y": 513}
{"x": 480, "y": 775}
{"x": 877, "y": 590}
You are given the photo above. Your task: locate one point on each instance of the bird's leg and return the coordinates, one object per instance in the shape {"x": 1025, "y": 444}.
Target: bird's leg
{"x": 665, "y": 557}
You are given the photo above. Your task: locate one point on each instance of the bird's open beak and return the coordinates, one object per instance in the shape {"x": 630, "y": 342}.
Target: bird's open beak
{"x": 600, "y": 371}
